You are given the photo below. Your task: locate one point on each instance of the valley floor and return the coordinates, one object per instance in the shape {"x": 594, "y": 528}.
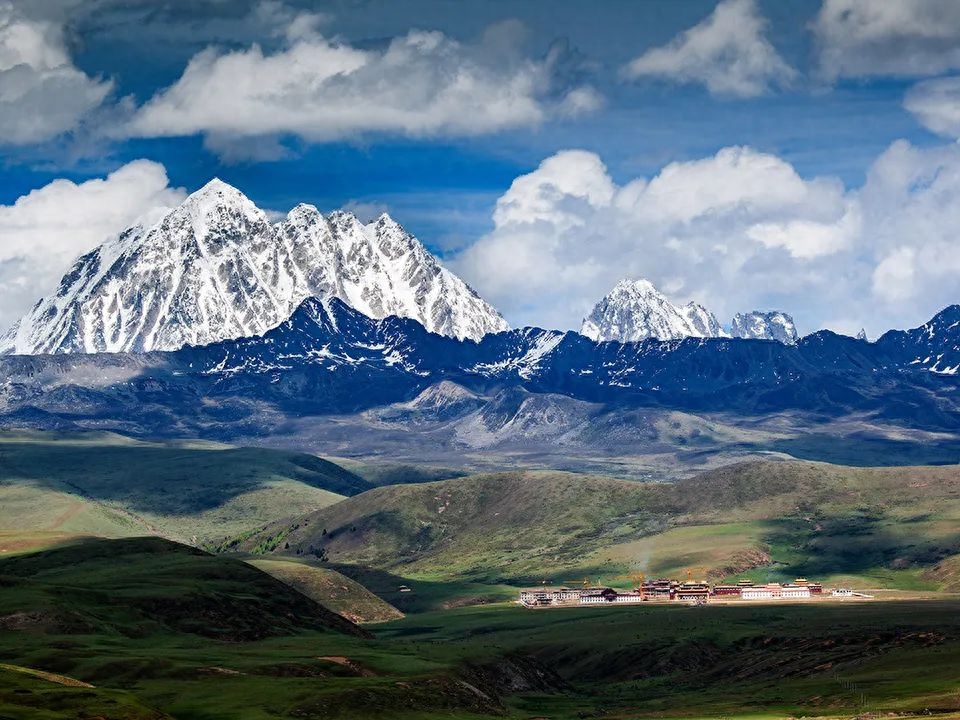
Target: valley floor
{"x": 225, "y": 611}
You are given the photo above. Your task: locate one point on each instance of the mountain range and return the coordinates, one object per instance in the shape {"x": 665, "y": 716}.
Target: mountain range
{"x": 330, "y": 335}
{"x": 332, "y": 380}
{"x": 635, "y": 310}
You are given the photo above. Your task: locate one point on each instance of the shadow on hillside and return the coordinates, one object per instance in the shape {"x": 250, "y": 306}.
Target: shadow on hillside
{"x": 857, "y": 543}
{"x": 162, "y": 479}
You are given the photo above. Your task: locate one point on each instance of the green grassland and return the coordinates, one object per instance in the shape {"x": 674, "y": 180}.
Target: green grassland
{"x": 476, "y": 526}
{"x": 875, "y": 527}
{"x": 105, "y": 485}
{"x": 26, "y": 696}
{"x": 162, "y": 630}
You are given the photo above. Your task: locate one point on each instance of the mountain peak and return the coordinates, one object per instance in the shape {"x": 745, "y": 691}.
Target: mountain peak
{"x": 948, "y": 318}
{"x": 635, "y": 310}
{"x": 215, "y": 184}
{"x": 343, "y": 220}
{"x": 638, "y": 286}
{"x": 215, "y": 197}
{"x": 217, "y": 187}
{"x": 386, "y": 227}
{"x": 756, "y": 325}
{"x": 303, "y": 212}
{"x": 216, "y": 268}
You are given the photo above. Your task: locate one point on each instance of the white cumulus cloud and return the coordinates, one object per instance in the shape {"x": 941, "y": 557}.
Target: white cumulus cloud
{"x": 905, "y": 38}
{"x": 45, "y": 230}
{"x": 936, "y": 104}
{"x": 736, "y": 231}
{"x": 565, "y": 233}
{"x": 42, "y": 94}
{"x": 911, "y": 203}
{"x": 728, "y": 53}
{"x": 421, "y": 84}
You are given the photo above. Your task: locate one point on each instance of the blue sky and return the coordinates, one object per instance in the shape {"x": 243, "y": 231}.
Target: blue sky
{"x": 814, "y": 91}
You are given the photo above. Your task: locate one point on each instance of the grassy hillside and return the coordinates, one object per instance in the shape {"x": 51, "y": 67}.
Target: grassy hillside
{"x": 160, "y": 630}
{"x": 329, "y": 588}
{"x": 475, "y": 525}
{"x": 882, "y": 527}
{"x": 100, "y": 484}
{"x": 138, "y": 586}
{"x": 874, "y": 527}
{"x": 27, "y": 694}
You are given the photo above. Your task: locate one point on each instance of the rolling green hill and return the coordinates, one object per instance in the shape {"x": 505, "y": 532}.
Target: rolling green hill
{"x": 60, "y": 486}
{"x": 145, "y": 629}
{"x": 882, "y": 527}
{"x": 139, "y": 586}
{"x": 473, "y": 525}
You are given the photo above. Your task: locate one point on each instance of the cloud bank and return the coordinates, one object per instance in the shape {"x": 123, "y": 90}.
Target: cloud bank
{"x": 44, "y": 231}
{"x": 936, "y": 105}
{"x": 422, "y": 84}
{"x": 739, "y": 230}
{"x": 902, "y": 38}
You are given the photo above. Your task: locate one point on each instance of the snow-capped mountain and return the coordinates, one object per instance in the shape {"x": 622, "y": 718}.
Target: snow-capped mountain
{"x": 215, "y": 268}
{"x": 764, "y": 326}
{"x": 635, "y": 310}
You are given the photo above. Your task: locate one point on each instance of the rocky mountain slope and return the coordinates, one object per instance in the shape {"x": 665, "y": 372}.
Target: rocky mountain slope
{"x": 215, "y": 268}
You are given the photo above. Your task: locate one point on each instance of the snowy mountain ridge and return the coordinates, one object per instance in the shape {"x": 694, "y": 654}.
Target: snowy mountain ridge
{"x": 215, "y": 268}
{"x": 635, "y": 310}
